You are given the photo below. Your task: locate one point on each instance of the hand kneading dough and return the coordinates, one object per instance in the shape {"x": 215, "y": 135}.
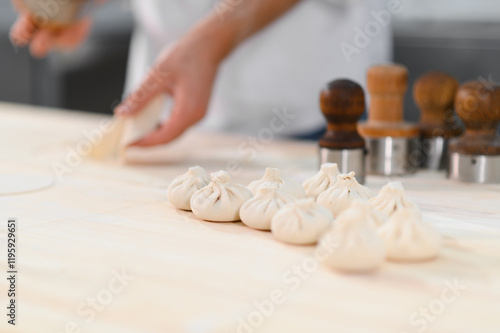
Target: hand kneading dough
{"x": 126, "y": 130}
{"x": 221, "y": 200}
{"x": 301, "y": 222}
{"x": 346, "y": 190}
{"x": 408, "y": 238}
{"x": 258, "y": 211}
{"x": 391, "y": 199}
{"x": 182, "y": 188}
{"x": 273, "y": 175}
{"x": 352, "y": 243}
{"x": 324, "y": 179}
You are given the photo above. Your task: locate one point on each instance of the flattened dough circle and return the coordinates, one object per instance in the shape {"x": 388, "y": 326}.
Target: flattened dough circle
{"x": 11, "y": 184}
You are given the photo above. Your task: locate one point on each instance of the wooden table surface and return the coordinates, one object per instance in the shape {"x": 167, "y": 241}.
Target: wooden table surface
{"x": 102, "y": 250}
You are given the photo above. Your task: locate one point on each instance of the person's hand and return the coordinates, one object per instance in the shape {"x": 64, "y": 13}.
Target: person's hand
{"x": 184, "y": 72}
{"x": 42, "y": 40}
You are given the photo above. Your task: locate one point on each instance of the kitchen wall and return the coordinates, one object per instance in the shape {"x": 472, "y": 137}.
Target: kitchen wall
{"x": 461, "y": 10}
{"x": 461, "y": 37}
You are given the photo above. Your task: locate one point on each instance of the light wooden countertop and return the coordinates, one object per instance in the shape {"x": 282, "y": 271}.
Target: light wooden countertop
{"x": 181, "y": 274}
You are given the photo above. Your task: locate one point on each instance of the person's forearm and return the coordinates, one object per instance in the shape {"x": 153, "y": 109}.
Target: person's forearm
{"x": 226, "y": 27}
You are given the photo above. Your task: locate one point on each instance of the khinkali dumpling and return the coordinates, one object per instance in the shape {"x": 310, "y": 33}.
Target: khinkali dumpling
{"x": 301, "y": 222}
{"x": 390, "y": 199}
{"x": 346, "y": 190}
{"x": 408, "y": 238}
{"x": 320, "y": 182}
{"x": 352, "y": 243}
{"x": 182, "y": 188}
{"x": 258, "y": 211}
{"x": 273, "y": 175}
{"x": 372, "y": 217}
{"x": 221, "y": 200}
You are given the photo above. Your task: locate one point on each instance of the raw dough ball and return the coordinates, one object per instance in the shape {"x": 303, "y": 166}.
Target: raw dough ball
{"x": 301, "y": 222}
{"x": 109, "y": 147}
{"x": 221, "y": 200}
{"x": 182, "y": 188}
{"x": 258, "y": 211}
{"x": 273, "y": 175}
{"x": 408, "y": 238}
{"x": 324, "y": 179}
{"x": 126, "y": 130}
{"x": 352, "y": 243}
{"x": 142, "y": 123}
{"x": 390, "y": 199}
{"x": 346, "y": 190}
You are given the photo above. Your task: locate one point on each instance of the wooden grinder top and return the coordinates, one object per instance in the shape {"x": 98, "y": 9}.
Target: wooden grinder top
{"x": 478, "y": 105}
{"x": 434, "y": 93}
{"x": 387, "y": 85}
{"x": 342, "y": 103}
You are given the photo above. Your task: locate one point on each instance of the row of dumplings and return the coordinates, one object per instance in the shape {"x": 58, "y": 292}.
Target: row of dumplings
{"x": 357, "y": 228}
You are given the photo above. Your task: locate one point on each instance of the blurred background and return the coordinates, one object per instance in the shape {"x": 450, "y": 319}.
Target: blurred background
{"x": 90, "y": 78}
{"x": 461, "y": 37}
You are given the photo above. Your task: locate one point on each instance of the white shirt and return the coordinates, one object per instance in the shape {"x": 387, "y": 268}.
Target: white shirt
{"x": 285, "y": 65}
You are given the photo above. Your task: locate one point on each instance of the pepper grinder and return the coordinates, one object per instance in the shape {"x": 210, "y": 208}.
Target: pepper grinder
{"x": 475, "y": 156}
{"x": 434, "y": 93}
{"x": 391, "y": 142}
{"x": 58, "y": 14}
{"x": 342, "y": 103}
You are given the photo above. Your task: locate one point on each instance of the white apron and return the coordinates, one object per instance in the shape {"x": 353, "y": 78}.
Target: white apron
{"x": 284, "y": 66}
